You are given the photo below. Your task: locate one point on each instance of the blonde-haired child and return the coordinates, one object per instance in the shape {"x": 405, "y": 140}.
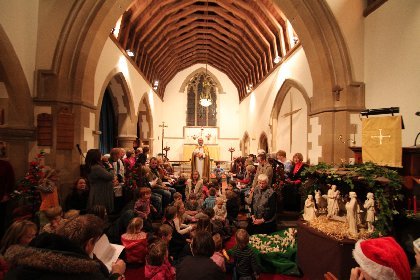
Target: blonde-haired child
{"x": 220, "y": 212}
{"x": 135, "y": 241}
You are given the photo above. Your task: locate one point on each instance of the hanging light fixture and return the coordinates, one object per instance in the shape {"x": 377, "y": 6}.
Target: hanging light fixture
{"x": 205, "y": 94}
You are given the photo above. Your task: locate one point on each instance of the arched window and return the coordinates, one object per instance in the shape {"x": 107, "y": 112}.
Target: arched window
{"x": 198, "y": 115}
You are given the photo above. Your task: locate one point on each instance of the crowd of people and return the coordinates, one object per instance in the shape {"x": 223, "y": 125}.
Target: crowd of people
{"x": 173, "y": 224}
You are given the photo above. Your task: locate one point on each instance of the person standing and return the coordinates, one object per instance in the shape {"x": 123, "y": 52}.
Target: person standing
{"x": 263, "y": 168}
{"x": 101, "y": 182}
{"x": 200, "y": 159}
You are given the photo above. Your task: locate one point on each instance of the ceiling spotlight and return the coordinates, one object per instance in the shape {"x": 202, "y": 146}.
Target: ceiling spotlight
{"x": 130, "y": 53}
{"x": 249, "y": 88}
{"x": 277, "y": 59}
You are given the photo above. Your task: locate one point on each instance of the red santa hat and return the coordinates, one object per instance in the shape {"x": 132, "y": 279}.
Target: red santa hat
{"x": 382, "y": 258}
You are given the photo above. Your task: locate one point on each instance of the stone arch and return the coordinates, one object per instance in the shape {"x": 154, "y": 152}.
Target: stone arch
{"x": 126, "y": 97}
{"x": 123, "y": 106}
{"x": 145, "y": 116}
{"x": 246, "y": 144}
{"x": 326, "y": 51}
{"x": 201, "y": 69}
{"x": 17, "y": 129}
{"x": 81, "y": 43}
{"x": 284, "y": 90}
{"x": 19, "y": 95}
{"x": 263, "y": 142}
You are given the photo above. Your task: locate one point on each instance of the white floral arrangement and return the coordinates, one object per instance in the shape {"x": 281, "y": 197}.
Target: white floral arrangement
{"x": 274, "y": 243}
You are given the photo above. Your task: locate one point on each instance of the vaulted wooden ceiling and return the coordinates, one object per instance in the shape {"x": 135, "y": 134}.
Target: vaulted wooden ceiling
{"x": 241, "y": 38}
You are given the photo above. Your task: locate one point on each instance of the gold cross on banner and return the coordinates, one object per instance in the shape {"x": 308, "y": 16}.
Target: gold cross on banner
{"x": 380, "y": 136}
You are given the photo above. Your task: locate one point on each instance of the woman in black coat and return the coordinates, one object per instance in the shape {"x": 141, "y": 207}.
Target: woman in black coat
{"x": 78, "y": 198}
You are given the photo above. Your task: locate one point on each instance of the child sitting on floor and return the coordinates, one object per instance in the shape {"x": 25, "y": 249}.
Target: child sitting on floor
{"x": 54, "y": 216}
{"x": 143, "y": 207}
{"x": 246, "y": 265}
{"x": 210, "y": 201}
{"x": 177, "y": 197}
{"x": 192, "y": 207}
{"x": 220, "y": 210}
{"x": 232, "y": 206}
{"x": 135, "y": 241}
{"x": 157, "y": 265}
{"x": 179, "y": 219}
{"x": 165, "y": 233}
{"x": 218, "y": 257}
{"x": 178, "y": 240}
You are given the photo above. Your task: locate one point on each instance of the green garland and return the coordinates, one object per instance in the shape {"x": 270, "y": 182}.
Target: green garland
{"x": 385, "y": 183}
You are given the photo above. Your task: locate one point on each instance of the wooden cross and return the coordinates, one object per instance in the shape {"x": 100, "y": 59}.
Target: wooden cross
{"x": 163, "y": 132}
{"x": 291, "y": 113}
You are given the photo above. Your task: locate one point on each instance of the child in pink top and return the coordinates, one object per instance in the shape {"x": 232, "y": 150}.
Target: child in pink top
{"x": 218, "y": 257}
{"x": 135, "y": 241}
{"x": 157, "y": 264}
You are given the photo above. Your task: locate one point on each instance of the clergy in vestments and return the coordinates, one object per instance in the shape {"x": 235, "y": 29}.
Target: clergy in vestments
{"x": 200, "y": 159}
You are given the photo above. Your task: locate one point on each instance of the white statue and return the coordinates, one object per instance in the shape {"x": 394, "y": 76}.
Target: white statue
{"x": 333, "y": 206}
{"x": 370, "y": 211}
{"x": 353, "y": 210}
{"x": 321, "y": 201}
{"x": 309, "y": 212}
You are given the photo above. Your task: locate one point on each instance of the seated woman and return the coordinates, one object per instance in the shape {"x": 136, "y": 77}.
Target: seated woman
{"x": 135, "y": 242}
{"x": 78, "y": 198}
{"x": 20, "y": 232}
{"x": 200, "y": 264}
{"x": 65, "y": 255}
{"x": 263, "y": 201}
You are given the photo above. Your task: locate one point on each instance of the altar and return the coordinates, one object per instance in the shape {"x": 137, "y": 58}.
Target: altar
{"x": 209, "y": 134}
{"x": 214, "y": 151}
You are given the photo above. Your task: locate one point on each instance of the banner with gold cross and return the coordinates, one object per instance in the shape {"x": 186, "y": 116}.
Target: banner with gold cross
{"x": 382, "y": 141}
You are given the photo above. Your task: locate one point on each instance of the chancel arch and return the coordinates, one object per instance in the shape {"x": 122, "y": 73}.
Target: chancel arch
{"x": 246, "y": 140}
{"x": 124, "y": 124}
{"x": 145, "y": 124}
{"x": 263, "y": 142}
{"x": 289, "y": 119}
{"x": 15, "y": 98}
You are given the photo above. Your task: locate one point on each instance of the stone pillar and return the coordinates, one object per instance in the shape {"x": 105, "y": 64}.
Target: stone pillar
{"x": 126, "y": 141}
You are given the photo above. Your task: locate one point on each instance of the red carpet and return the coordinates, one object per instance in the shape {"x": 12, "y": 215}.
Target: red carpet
{"x": 138, "y": 273}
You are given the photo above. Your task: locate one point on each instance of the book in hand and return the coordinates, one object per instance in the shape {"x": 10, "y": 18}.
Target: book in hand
{"x": 108, "y": 253}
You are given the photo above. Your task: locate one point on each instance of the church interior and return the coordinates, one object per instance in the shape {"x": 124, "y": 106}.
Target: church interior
{"x": 245, "y": 76}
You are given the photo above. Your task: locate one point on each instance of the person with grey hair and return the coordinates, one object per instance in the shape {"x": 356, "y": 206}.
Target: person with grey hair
{"x": 263, "y": 201}
{"x": 67, "y": 254}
